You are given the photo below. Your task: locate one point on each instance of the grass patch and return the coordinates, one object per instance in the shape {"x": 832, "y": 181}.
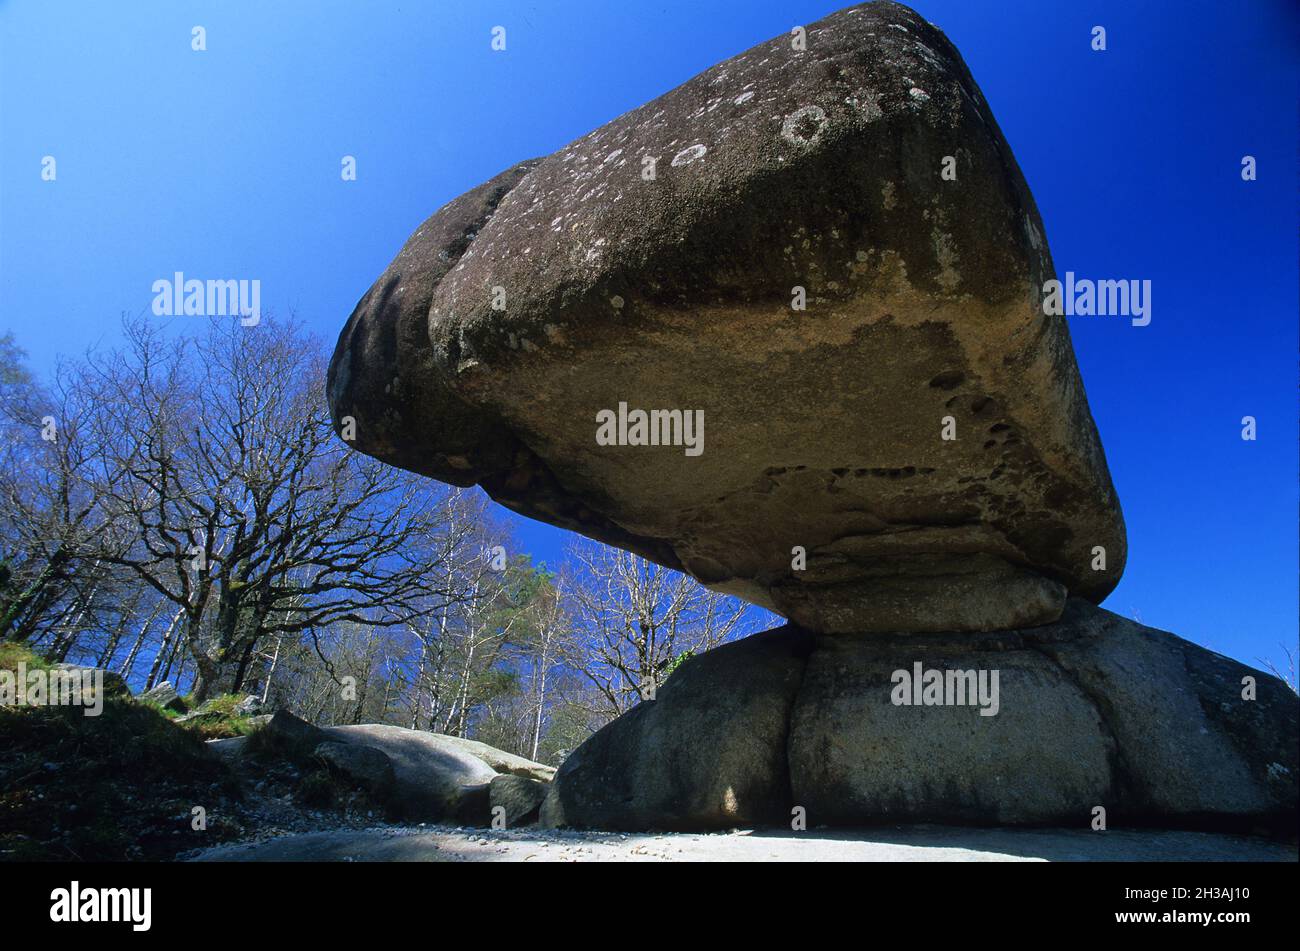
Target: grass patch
{"x": 12, "y": 654}
{"x": 217, "y": 718}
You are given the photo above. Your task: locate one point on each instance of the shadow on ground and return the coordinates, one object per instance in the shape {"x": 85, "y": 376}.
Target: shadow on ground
{"x": 910, "y": 844}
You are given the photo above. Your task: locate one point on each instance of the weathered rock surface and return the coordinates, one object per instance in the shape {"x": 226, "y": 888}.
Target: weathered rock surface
{"x": 366, "y": 766}
{"x": 518, "y": 797}
{"x": 500, "y": 760}
{"x": 707, "y": 753}
{"x": 432, "y": 780}
{"x": 294, "y": 732}
{"x": 1042, "y": 756}
{"x": 74, "y": 676}
{"x": 570, "y": 284}
{"x": 165, "y": 696}
{"x": 1094, "y": 710}
{"x": 420, "y": 776}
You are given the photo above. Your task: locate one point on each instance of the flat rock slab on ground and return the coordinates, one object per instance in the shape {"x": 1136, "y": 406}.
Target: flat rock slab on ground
{"x": 910, "y": 844}
{"x": 433, "y": 779}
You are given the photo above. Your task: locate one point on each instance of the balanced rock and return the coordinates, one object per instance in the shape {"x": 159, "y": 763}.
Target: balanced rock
{"x": 849, "y": 347}
{"x": 1035, "y": 726}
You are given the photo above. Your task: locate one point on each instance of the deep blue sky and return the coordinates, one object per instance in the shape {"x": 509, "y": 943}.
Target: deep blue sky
{"x": 226, "y": 163}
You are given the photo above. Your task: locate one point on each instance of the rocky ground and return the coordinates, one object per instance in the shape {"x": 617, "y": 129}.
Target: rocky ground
{"x": 277, "y": 788}
{"x": 910, "y": 844}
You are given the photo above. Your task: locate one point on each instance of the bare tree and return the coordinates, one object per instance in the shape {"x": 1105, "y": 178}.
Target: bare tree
{"x": 1288, "y": 676}
{"x": 245, "y": 510}
{"x": 551, "y": 624}
{"x": 50, "y": 514}
{"x": 633, "y": 619}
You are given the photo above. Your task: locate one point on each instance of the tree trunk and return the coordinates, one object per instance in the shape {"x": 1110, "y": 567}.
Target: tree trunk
{"x": 166, "y": 651}
{"x": 541, "y": 701}
{"x": 419, "y": 684}
{"x": 266, "y": 689}
{"x": 207, "y": 671}
{"x": 241, "y": 672}
{"x": 128, "y": 665}
{"x": 21, "y": 603}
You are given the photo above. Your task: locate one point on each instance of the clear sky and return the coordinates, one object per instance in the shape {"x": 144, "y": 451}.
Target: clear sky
{"x": 226, "y": 163}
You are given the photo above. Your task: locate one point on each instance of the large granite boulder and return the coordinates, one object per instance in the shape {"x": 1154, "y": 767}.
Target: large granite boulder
{"x": 1091, "y": 711}
{"x": 707, "y": 753}
{"x": 523, "y": 313}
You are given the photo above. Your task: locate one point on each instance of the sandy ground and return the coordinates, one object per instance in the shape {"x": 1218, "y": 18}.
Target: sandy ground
{"x": 910, "y": 844}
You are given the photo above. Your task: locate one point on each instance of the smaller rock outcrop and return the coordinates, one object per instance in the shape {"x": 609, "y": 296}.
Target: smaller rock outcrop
{"x": 366, "y": 766}
{"x": 165, "y": 696}
{"x": 518, "y": 797}
{"x": 433, "y": 780}
{"x": 289, "y": 730}
{"x": 418, "y": 776}
{"x": 499, "y": 760}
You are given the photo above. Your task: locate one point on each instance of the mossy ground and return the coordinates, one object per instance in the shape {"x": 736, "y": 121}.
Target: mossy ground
{"x": 118, "y": 786}
{"x": 123, "y": 785}
{"x": 216, "y": 719}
